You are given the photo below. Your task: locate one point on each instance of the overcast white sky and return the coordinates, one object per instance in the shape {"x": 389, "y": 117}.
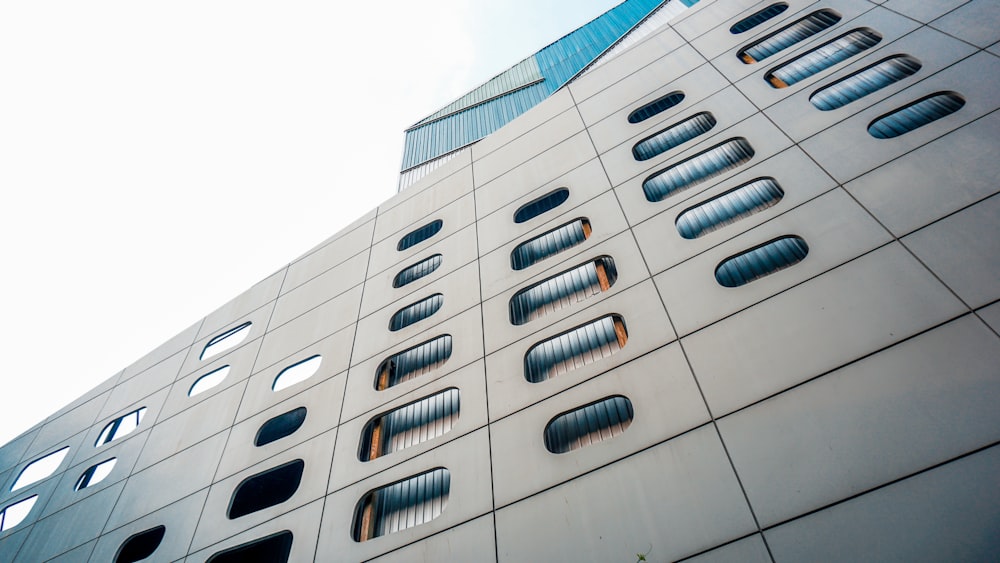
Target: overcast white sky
{"x": 159, "y": 158}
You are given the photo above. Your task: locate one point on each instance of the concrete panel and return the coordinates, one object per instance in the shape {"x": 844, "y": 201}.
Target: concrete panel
{"x": 455, "y": 164}
{"x": 897, "y": 412}
{"x": 215, "y": 525}
{"x": 923, "y": 12}
{"x": 858, "y": 308}
{"x": 728, "y": 107}
{"x": 331, "y": 254}
{"x": 76, "y": 555}
{"x": 191, "y": 426}
{"x": 521, "y": 149}
{"x": 471, "y": 383}
{"x": 664, "y": 398}
{"x": 472, "y": 541}
{"x": 976, "y": 22}
{"x": 43, "y": 487}
{"x": 948, "y": 514}
{"x": 168, "y": 481}
{"x": 545, "y": 167}
{"x": 963, "y": 251}
{"x": 650, "y": 50}
{"x": 606, "y": 221}
{"x": 12, "y": 451}
{"x": 796, "y": 115}
{"x": 157, "y": 378}
{"x": 468, "y": 461}
{"x": 335, "y": 356}
{"x": 526, "y": 124}
{"x": 991, "y": 316}
{"x": 939, "y": 178}
{"x": 179, "y": 519}
{"x": 460, "y": 291}
{"x": 240, "y": 364}
{"x": 681, "y": 497}
{"x": 178, "y": 343}
{"x": 322, "y": 404}
{"x": 60, "y": 430}
{"x": 746, "y": 550}
{"x": 835, "y": 227}
{"x": 645, "y": 320}
{"x": 12, "y": 540}
{"x": 394, "y": 218}
{"x": 766, "y": 140}
{"x": 889, "y": 25}
{"x": 312, "y": 332}
{"x": 456, "y": 251}
{"x": 100, "y": 389}
{"x": 262, "y": 293}
{"x": 584, "y": 183}
{"x": 258, "y": 324}
{"x": 846, "y": 150}
{"x": 302, "y": 523}
{"x": 320, "y": 289}
{"x": 794, "y": 172}
{"x": 499, "y": 331}
{"x": 454, "y": 216}
{"x": 694, "y": 25}
{"x": 70, "y": 527}
{"x": 709, "y": 30}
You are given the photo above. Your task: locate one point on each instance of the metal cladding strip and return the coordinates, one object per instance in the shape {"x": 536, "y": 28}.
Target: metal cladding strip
{"x": 563, "y": 290}
{"x": 761, "y": 261}
{"x": 697, "y": 169}
{"x": 823, "y": 57}
{"x": 916, "y": 114}
{"x": 736, "y": 204}
{"x": 549, "y": 243}
{"x": 536, "y": 207}
{"x": 752, "y": 21}
{"x": 674, "y": 136}
{"x": 589, "y": 425}
{"x": 419, "y": 422}
{"x": 656, "y": 106}
{"x": 651, "y": 24}
{"x": 413, "y": 273}
{"x": 416, "y": 312}
{"x": 409, "y": 503}
{"x": 866, "y": 81}
{"x": 576, "y": 348}
{"x": 414, "y": 362}
{"x": 789, "y": 35}
{"x": 419, "y": 235}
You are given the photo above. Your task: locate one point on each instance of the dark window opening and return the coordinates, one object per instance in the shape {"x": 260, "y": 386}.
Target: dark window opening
{"x": 410, "y": 425}
{"x": 817, "y": 60}
{"x": 575, "y": 348}
{"x": 588, "y": 425}
{"x": 550, "y": 243}
{"x": 699, "y": 168}
{"x": 272, "y": 549}
{"x": 866, "y": 81}
{"x": 536, "y": 207}
{"x": 140, "y": 546}
{"x": 413, "y": 362}
{"x": 728, "y": 208}
{"x": 563, "y": 290}
{"x": 402, "y": 505}
{"x": 418, "y": 236}
{"x": 752, "y": 21}
{"x": 674, "y": 136}
{"x": 266, "y": 489}
{"x": 761, "y": 261}
{"x": 658, "y": 105}
{"x": 280, "y": 426}
{"x": 415, "y": 272}
{"x": 415, "y": 313}
{"x": 787, "y": 36}
{"x": 916, "y": 115}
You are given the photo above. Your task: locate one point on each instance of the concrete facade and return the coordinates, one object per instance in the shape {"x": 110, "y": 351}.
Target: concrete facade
{"x": 843, "y": 408}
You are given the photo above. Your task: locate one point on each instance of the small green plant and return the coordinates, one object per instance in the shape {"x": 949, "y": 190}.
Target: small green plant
{"x": 642, "y": 556}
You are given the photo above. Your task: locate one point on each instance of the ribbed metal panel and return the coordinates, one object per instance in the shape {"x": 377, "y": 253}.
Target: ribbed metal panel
{"x": 674, "y": 136}
{"x": 757, "y": 18}
{"x": 576, "y": 348}
{"x": 419, "y": 235}
{"x": 916, "y": 114}
{"x": 789, "y": 35}
{"x": 588, "y": 425}
{"x": 549, "y": 243}
{"x": 413, "y": 362}
{"x": 563, "y": 290}
{"x": 729, "y": 208}
{"x": 760, "y": 261}
{"x": 536, "y": 207}
{"x": 416, "y": 312}
{"x": 867, "y": 80}
{"x": 402, "y": 505}
{"x": 697, "y": 169}
{"x": 409, "y": 177}
{"x": 658, "y": 105}
{"x": 413, "y": 273}
{"x": 656, "y": 20}
{"x": 823, "y": 57}
{"x": 410, "y": 425}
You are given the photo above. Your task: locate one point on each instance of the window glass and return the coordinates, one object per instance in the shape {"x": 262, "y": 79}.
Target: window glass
{"x": 121, "y": 426}
{"x": 209, "y": 380}
{"x": 40, "y": 469}
{"x": 225, "y": 341}
{"x": 296, "y": 373}
{"x": 95, "y": 474}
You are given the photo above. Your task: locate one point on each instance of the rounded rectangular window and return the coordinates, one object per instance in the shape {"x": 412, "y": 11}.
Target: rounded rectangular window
{"x": 266, "y": 489}
{"x": 413, "y": 273}
{"x": 225, "y": 341}
{"x": 757, "y": 18}
{"x": 402, "y": 505}
{"x": 817, "y": 60}
{"x": 588, "y": 425}
{"x": 410, "y": 425}
{"x": 699, "y": 168}
{"x": 761, "y": 261}
{"x": 415, "y": 313}
{"x": 275, "y": 548}
{"x": 413, "y": 362}
{"x": 141, "y": 545}
{"x": 550, "y": 243}
{"x": 563, "y": 290}
{"x": 793, "y": 33}
{"x": 280, "y": 426}
{"x": 121, "y": 426}
{"x": 674, "y": 136}
{"x": 209, "y": 380}
{"x": 916, "y": 115}
{"x": 14, "y": 514}
{"x": 297, "y": 373}
{"x": 40, "y": 469}
{"x": 866, "y": 81}
{"x": 418, "y": 236}
{"x": 544, "y": 204}
{"x": 575, "y": 348}
{"x": 95, "y": 474}
{"x": 728, "y": 208}
{"x": 659, "y": 105}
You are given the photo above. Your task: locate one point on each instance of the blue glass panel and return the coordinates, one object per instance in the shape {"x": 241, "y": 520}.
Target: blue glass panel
{"x": 865, "y": 81}
{"x": 915, "y": 115}
{"x": 823, "y": 57}
{"x": 761, "y": 261}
